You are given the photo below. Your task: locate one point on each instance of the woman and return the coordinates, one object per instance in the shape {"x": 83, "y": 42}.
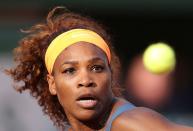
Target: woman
{"x": 69, "y": 66}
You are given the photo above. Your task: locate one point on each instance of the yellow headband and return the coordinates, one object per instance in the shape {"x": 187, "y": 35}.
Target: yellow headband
{"x": 68, "y": 38}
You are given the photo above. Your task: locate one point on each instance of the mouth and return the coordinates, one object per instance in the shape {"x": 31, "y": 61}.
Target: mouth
{"x": 87, "y": 101}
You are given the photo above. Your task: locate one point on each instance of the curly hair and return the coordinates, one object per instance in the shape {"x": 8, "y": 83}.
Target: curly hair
{"x": 29, "y": 56}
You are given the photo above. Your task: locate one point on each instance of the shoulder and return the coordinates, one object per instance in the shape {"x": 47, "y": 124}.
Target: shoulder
{"x": 141, "y": 118}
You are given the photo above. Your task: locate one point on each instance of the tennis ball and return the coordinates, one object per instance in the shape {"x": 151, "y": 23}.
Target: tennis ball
{"x": 159, "y": 58}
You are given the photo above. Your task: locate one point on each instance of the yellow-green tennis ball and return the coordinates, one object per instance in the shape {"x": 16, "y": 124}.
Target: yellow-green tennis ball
{"x": 159, "y": 58}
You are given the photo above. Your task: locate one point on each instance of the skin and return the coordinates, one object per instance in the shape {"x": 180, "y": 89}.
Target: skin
{"x": 83, "y": 69}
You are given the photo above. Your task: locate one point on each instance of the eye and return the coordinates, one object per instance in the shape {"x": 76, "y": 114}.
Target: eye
{"x": 97, "y": 68}
{"x": 69, "y": 71}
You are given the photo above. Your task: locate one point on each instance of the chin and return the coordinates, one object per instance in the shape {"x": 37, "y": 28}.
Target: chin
{"x": 86, "y": 115}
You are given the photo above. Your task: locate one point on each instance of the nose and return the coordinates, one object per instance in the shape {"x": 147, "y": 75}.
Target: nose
{"x": 85, "y": 79}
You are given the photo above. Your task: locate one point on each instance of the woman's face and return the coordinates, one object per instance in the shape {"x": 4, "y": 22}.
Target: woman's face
{"x": 82, "y": 81}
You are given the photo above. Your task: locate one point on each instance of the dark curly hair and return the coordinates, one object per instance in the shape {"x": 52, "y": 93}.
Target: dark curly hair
{"x": 30, "y": 71}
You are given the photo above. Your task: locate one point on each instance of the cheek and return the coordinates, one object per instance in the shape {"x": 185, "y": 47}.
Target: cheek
{"x": 65, "y": 92}
{"x": 105, "y": 85}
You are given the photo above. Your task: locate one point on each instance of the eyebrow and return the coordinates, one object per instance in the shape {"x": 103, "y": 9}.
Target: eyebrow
{"x": 74, "y": 62}
{"x": 96, "y": 59}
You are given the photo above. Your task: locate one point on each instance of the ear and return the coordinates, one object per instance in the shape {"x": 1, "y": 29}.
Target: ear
{"x": 51, "y": 83}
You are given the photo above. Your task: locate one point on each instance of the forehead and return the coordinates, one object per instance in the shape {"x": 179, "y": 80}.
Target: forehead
{"x": 81, "y": 51}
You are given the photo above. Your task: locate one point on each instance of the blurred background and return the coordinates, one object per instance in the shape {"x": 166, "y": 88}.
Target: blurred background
{"x": 133, "y": 25}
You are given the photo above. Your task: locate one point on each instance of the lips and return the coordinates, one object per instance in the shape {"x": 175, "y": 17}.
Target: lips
{"x": 87, "y": 101}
